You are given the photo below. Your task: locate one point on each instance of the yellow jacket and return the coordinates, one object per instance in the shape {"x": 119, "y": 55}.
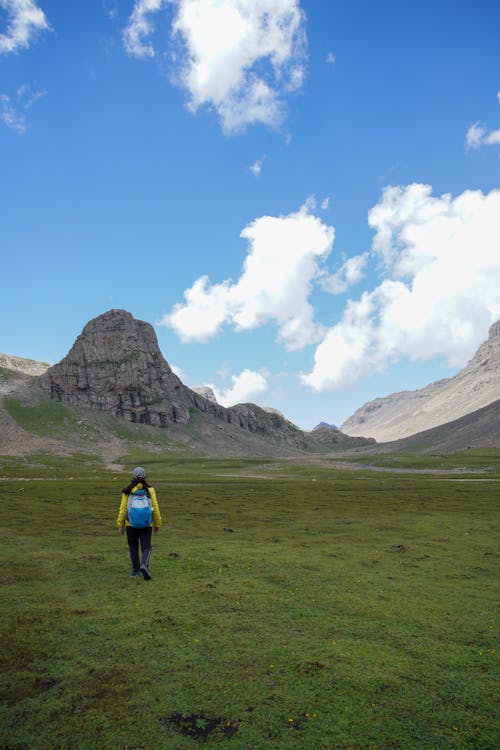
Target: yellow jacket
{"x": 122, "y": 513}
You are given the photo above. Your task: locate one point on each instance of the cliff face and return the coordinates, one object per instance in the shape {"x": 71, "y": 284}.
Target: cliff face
{"x": 409, "y": 412}
{"x": 115, "y": 365}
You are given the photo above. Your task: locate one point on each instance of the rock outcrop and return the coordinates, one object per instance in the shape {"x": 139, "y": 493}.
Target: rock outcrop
{"x": 116, "y": 365}
{"x": 334, "y": 438}
{"x": 409, "y": 412}
{"x": 269, "y": 424}
{"x": 18, "y": 371}
{"x": 23, "y": 365}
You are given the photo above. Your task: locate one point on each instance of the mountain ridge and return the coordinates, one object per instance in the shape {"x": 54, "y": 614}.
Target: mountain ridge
{"x": 115, "y": 366}
{"x": 406, "y": 413}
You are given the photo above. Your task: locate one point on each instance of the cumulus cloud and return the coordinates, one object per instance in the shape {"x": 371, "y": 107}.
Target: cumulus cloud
{"x": 282, "y": 263}
{"x": 492, "y": 138}
{"x": 239, "y": 57}
{"x": 246, "y": 387}
{"x": 24, "y": 20}
{"x": 441, "y": 257}
{"x": 350, "y": 273}
{"x": 477, "y": 135}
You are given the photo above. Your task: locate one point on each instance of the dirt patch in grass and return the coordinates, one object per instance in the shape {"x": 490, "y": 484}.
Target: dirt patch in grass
{"x": 199, "y": 726}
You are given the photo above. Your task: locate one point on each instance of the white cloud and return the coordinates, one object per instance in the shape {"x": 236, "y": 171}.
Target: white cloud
{"x": 141, "y": 26}
{"x": 282, "y": 263}
{"x": 256, "y": 167}
{"x": 25, "y": 19}
{"x": 474, "y": 135}
{"x": 246, "y": 387}
{"x": 350, "y": 273}
{"x": 13, "y": 110}
{"x": 331, "y": 59}
{"x": 14, "y": 120}
{"x": 477, "y": 135}
{"x": 492, "y": 138}
{"x": 443, "y": 259}
{"x": 325, "y": 203}
{"x": 240, "y": 57}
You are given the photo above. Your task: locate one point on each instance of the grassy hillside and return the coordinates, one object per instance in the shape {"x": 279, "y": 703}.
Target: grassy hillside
{"x": 290, "y": 607}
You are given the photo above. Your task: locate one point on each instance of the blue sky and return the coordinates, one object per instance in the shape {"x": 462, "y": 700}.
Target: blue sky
{"x": 302, "y": 197}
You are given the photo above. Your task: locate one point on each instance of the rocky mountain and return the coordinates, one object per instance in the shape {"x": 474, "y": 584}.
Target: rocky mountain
{"x": 18, "y": 371}
{"x": 480, "y": 429}
{"x": 116, "y": 366}
{"x": 22, "y": 365}
{"x": 325, "y": 426}
{"x": 118, "y": 390}
{"x": 409, "y": 412}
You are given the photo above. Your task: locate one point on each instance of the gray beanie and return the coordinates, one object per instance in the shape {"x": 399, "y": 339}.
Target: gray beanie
{"x": 139, "y": 473}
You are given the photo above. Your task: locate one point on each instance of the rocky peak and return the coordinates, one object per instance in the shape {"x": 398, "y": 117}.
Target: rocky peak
{"x": 325, "y": 426}
{"x": 494, "y": 332}
{"x": 116, "y": 365}
{"x": 488, "y": 354}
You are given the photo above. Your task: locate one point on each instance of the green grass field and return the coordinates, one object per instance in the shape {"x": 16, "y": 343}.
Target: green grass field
{"x": 290, "y": 607}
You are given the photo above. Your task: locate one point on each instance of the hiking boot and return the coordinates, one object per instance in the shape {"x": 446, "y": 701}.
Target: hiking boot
{"x": 145, "y": 572}
{"x": 135, "y": 574}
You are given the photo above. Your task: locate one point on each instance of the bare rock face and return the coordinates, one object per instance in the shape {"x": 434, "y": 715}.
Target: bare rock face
{"x": 116, "y": 365}
{"x": 17, "y": 371}
{"x": 267, "y": 423}
{"x": 409, "y": 412}
{"x": 23, "y": 365}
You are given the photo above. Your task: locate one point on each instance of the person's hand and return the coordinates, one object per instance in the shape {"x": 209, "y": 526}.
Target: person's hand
{"x": 121, "y": 530}
{"x": 156, "y": 529}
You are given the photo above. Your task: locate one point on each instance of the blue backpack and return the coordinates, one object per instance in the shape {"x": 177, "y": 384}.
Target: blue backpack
{"x": 139, "y": 509}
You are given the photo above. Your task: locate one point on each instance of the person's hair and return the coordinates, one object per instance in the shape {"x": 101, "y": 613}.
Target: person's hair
{"x": 142, "y": 480}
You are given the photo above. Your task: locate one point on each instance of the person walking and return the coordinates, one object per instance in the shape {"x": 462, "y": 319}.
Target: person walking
{"x": 139, "y": 514}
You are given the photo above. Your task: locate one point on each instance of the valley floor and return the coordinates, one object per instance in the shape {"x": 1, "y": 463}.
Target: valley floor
{"x": 292, "y": 605}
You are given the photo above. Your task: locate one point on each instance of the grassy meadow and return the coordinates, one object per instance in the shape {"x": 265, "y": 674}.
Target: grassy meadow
{"x": 291, "y": 606}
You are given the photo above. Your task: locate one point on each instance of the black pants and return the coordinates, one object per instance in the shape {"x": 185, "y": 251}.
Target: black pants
{"x": 134, "y": 537}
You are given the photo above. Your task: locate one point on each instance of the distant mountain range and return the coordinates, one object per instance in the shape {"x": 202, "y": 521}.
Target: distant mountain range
{"x": 409, "y": 412}
{"x": 115, "y": 368}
